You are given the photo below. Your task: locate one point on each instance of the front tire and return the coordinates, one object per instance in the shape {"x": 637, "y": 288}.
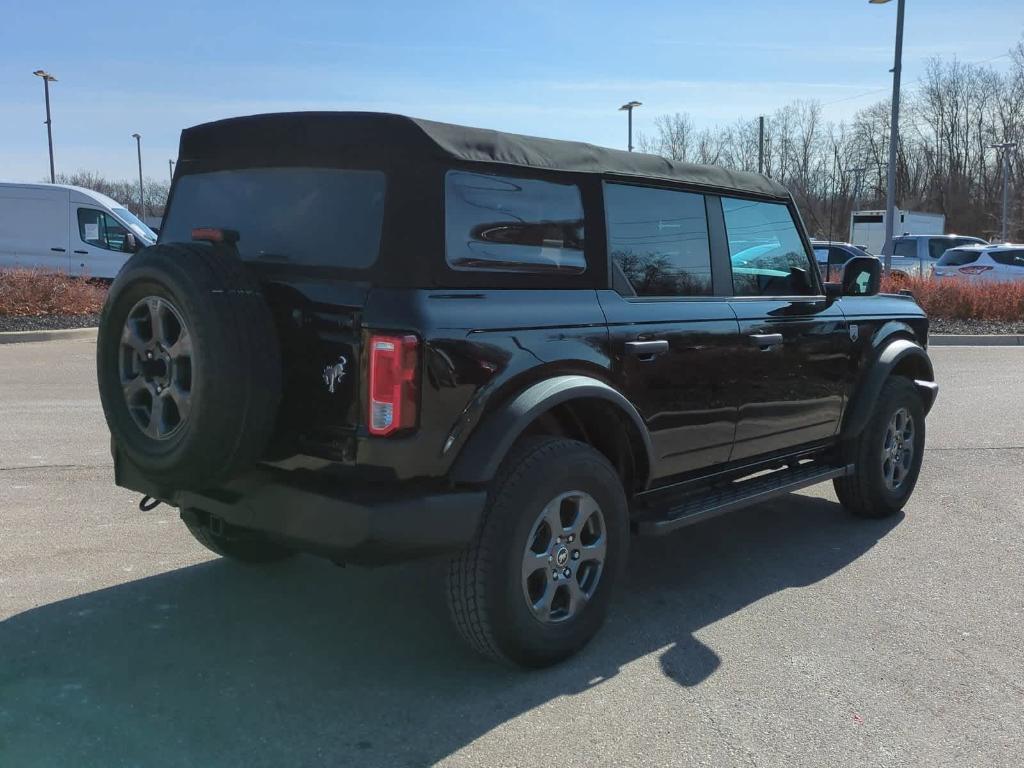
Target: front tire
{"x": 534, "y": 585}
{"x": 887, "y": 454}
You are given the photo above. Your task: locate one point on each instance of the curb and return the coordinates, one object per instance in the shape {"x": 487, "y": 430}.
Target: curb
{"x": 974, "y": 340}
{"x": 13, "y": 337}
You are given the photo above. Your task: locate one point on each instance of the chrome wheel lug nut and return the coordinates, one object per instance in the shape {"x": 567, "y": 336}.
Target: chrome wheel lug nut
{"x": 572, "y": 538}
{"x": 576, "y": 555}
{"x": 554, "y": 575}
{"x": 567, "y": 573}
{"x": 550, "y": 559}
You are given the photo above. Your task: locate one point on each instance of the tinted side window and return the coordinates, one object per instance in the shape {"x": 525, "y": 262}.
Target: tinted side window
{"x": 939, "y": 245}
{"x": 1009, "y": 258}
{"x": 905, "y": 248}
{"x": 506, "y": 224}
{"x": 658, "y": 241}
{"x": 767, "y": 254}
{"x": 838, "y": 256}
{"x": 99, "y": 229}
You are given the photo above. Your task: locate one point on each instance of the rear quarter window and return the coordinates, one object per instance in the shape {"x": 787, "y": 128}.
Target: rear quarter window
{"x": 1009, "y": 258}
{"x": 309, "y": 216}
{"x": 510, "y": 224}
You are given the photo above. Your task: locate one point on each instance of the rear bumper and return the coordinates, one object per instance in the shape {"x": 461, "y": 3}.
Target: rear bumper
{"x": 367, "y": 525}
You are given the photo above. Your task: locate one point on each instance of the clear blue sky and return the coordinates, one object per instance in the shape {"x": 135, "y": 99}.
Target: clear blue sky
{"x": 549, "y": 68}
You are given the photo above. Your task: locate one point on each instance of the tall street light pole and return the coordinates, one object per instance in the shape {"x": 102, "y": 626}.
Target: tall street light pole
{"x": 142, "y": 194}
{"x": 1006, "y": 146}
{"x": 628, "y": 108}
{"x": 47, "y": 79}
{"x": 894, "y": 134}
{"x": 760, "y": 144}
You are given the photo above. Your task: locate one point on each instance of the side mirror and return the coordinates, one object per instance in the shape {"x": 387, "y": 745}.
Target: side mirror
{"x": 862, "y": 276}
{"x": 131, "y": 245}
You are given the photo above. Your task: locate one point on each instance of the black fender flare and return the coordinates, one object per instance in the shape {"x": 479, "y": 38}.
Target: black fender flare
{"x": 893, "y": 353}
{"x": 484, "y": 451}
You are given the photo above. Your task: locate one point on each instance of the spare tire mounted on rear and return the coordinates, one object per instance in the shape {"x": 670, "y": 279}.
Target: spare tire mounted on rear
{"x": 189, "y": 364}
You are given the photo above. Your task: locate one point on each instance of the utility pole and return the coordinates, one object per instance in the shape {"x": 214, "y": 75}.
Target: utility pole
{"x": 1006, "y": 146}
{"x": 760, "y": 144}
{"x": 894, "y": 135}
{"x": 142, "y": 193}
{"x": 47, "y": 79}
{"x": 628, "y": 108}
{"x": 858, "y": 177}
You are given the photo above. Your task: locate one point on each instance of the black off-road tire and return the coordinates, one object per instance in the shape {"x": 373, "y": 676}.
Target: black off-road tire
{"x": 235, "y": 365}
{"x": 485, "y": 582}
{"x": 865, "y": 493}
{"x": 251, "y": 549}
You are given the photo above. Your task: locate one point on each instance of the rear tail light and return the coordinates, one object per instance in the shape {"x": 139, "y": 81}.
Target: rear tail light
{"x": 974, "y": 270}
{"x": 393, "y": 396}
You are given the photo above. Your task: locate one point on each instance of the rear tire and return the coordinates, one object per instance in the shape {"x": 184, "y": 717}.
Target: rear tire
{"x": 884, "y": 475}
{"x": 534, "y": 585}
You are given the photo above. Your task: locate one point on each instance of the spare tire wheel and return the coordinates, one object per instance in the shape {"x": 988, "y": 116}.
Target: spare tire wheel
{"x": 188, "y": 364}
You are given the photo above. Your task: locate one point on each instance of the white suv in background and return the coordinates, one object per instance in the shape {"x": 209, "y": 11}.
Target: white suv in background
{"x": 990, "y": 263}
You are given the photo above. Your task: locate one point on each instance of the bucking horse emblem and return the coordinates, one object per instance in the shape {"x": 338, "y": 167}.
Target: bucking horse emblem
{"x": 333, "y": 374}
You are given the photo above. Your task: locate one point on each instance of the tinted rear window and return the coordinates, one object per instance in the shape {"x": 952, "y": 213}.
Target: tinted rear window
{"x": 958, "y": 257}
{"x": 508, "y": 224}
{"x": 310, "y": 216}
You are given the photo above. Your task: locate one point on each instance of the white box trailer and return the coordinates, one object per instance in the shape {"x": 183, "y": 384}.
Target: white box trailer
{"x": 867, "y": 228}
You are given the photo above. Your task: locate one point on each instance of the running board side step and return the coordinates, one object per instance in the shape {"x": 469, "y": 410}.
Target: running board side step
{"x": 738, "y": 494}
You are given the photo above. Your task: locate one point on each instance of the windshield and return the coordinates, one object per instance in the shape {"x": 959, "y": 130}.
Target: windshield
{"x": 137, "y": 225}
{"x": 309, "y": 216}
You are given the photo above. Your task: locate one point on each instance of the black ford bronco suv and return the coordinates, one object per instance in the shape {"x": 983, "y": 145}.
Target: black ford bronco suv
{"x": 375, "y": 338}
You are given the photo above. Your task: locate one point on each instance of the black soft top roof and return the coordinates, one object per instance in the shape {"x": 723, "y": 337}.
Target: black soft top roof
{"x": 339, "y": 138}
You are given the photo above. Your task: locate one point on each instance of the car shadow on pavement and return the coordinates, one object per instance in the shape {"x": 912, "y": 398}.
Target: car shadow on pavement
{"x": 302, "y": 663}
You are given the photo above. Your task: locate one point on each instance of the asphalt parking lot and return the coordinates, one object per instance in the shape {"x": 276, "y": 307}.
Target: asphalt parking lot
{"x": 787, "y": 635}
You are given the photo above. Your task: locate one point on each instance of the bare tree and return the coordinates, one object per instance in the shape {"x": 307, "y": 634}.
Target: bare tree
{"x": 944, "y": 162}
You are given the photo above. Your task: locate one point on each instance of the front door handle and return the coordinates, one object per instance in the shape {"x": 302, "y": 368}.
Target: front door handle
{"x": 84, "y": 253}
{"x": 58, "y": 250}
{"x": 766, "y": 340}
{"x": 647, "y": 350}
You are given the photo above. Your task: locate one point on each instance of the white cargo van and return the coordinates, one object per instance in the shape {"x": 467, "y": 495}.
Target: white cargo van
{"x": 61, "y": 228}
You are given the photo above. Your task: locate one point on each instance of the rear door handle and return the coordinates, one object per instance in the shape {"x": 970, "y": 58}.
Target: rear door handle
{"x": 647, "y": 350}
{"x": 84, "y": 253}
{"x": 766, "y": 340}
